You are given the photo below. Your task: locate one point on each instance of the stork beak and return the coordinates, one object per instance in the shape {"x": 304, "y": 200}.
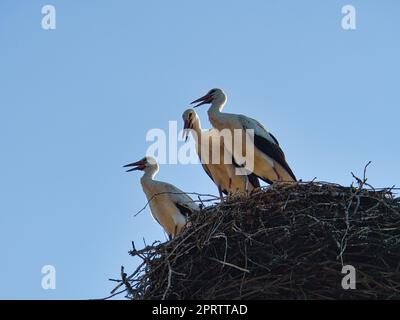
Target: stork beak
{"x": 186, "y": 127}
{"x": 203, "y": 100}
{"x": 138, "y": 165}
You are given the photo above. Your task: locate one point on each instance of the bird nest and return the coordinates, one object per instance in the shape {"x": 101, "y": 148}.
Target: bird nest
{"x": 288, "y": 241}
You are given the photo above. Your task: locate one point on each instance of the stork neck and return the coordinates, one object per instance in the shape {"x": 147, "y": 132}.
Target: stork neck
{"x": 196, "y": 132}
{"x": 217, "y": 106}
{"x": 149, "y": 174}
{"x": 197, "y": 127}
{"x": 215, "y": 114}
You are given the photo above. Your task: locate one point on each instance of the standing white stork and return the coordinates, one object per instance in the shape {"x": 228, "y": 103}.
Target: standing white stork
{"x": 269, "y": 160}
{"x": 210, "y": 148}
{"x": 169, "y": 205}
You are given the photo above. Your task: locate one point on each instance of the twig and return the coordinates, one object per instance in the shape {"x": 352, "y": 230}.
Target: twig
{"x": 169, "y": 281}
{"x": 229, "y": 264}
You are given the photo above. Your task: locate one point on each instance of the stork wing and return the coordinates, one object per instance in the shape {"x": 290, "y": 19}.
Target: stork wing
{"x": 276, "y": 140}
{"x": 207, "y": 171}
{"x": 267, "y": 143}
{"x": 184, "y": 210}
{"x": 204, "y": 165}
{"x": 253, "y": 179}
{"x": 182, "y": 201}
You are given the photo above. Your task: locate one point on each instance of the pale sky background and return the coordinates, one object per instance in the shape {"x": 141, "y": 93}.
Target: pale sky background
{"x": 76, "y": 103}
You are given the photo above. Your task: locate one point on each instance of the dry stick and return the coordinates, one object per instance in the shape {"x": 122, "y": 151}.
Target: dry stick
{"x": 126, "y": 282}
{"x": 361, "y": 183}
{"x": 244, "y": 274}
{"x": 229, "y": 264}
{"x": 114, "y": 294}
{"x": 170, "y": 253}
{"x": 176, "y": 247}
{"x": 128, "y": 278}
{"x": 365, "y": 171}
{"x": 169, "y": 281}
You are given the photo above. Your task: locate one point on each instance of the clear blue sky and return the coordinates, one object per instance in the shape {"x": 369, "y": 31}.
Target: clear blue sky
{"x": 76, "y": 103}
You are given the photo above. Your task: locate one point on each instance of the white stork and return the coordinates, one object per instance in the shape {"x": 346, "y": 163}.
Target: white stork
{"x": 220, "y": 170}
{"x": 169, "y": 205}
{"x": 269, "y": 160}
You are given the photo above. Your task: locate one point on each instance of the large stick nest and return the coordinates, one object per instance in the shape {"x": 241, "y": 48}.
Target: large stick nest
{"x": 285, "y": 242}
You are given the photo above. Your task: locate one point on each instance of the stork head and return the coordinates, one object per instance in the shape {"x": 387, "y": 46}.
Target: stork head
{"x": 146, "y": 164}
{"x": 213, "y": 96}
{"x": 190, "y": 119}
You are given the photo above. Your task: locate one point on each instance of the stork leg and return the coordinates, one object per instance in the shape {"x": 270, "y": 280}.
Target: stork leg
{"x": 246, "y": 187}
{"x": 230, "y": 192}
{"x": 221, "y": 196}
{"x": 279, "y": 179}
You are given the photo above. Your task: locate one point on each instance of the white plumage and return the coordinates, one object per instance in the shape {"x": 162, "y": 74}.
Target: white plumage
{"x": 169, "y": 205}
{"x": 269, "y": 160}
{"x": 217, "y": 162}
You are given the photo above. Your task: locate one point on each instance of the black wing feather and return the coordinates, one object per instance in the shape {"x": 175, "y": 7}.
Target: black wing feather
{"x": 185, "y": 211}
{"x": 253, "y": 179}
{"x": 273, "y": 138}
{"x": 273, "y": 151}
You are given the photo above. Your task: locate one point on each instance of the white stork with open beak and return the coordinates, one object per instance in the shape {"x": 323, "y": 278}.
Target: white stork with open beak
{"x": 269, "y": 160}
{"x": 169, "y": 205}
{"x": 220, "y": 170}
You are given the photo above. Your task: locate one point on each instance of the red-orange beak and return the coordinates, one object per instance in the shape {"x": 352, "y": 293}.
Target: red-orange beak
{"x": 138, "y": 165}
{"x": 203, "y": 100}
